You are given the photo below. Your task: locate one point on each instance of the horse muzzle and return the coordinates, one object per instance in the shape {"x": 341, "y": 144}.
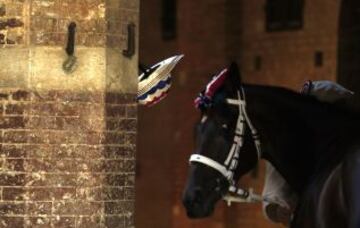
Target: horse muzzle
{"x": 195, "y": 205}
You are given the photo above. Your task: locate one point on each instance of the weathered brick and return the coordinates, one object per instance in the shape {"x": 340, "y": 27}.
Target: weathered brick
{"x": 130, "y": 138}
{"x": 115, "y": 180}
{"x": 76, "y": 151}
{"x": 44, "y": 123}
{"x": 11, "y": 208}
{"x": 43, "y": 109}
{"x": 2, "y": 36}
{"x": 129, "y": 152}
{"x": 38, "y": 165}
{"x": 13, "y": 194}
{"x": 118, "y": 98}
{"x": 89, "y": 193}
{"x": 58, "y": 137}
{"x": 115, "y": 166}
{"x": 44, "y": 179}
{"x": 12, "y": 151}
{"x": 17, "y": 122}
{"x": 21, "y": 95}
{"x": 12, "y": 165}
{"x": 130, "y": 180}
{"x": 129, "y": 166}
{"x": 94, "y": 165}
{"x": 86, "y": 222}
{"x": 12, "y": 179}
{"x": 39, "y": 208}
{"x": 114, "y": 208}
{"x": 130, "y": 220}
{"x": 4, "y": 96}
{"x": 129, "y": 206}
{"x": 94, "y": 138}
{"x": 110, "y": 193}
{"x": 68, "y": 109}
{"x": 50, "y": 193}
{"x": 86, "y": 179}
{"x": 115, "y": 138}
{"x": 38, "y": 194}
{"x": 115, "y": 221}
{"x": 45, "y": 96}
{"x": 2, "y": 9}
{"x": 131, "y": 111}
{"x": 78, "y": 208}
{"x": 118, "y": 151}
{"x": 37, "y": 151}
{"x": 129, "y": 193}
{"x": 62, "y": 165}
{"x": 62, "y": 221}
{"x": 117, "y": 111}
{"x": 15, "y": 109}
{"x": 121, "y": 124}
{"x": 40, "y": 222}
{"x": 13, "y": 23}
{"x": 95, "y": 97}
{"x": 10, "y": 221}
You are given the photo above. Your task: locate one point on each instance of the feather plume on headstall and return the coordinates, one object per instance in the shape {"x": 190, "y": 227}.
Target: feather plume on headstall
{"x": 205, "y": 98}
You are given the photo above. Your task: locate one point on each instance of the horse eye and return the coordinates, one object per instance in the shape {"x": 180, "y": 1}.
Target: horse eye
{"x": 203, "y": 119}
{"x": 225, "y": 126}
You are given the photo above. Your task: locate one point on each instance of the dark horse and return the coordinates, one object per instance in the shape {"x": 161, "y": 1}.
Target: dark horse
{"x": 314, "y": 145}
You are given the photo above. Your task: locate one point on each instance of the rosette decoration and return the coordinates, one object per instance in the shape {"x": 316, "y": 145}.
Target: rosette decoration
{"x": 155, "y": 82}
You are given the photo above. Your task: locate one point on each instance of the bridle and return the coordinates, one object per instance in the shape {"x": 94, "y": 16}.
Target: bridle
{"x": 227, "y": 169}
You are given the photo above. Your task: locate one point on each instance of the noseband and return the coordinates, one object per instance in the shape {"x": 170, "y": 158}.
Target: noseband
{"x": 227, "y": 169}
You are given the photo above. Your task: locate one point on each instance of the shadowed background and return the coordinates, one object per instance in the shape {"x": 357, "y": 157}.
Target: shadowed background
{"x": 275, "y": 42}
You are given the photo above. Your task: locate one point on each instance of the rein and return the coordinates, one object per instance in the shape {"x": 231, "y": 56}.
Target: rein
{"x": 227, "y": 169}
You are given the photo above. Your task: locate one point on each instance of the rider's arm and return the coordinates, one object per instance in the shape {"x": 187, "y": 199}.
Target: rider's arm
{"x": 277, "y": 190}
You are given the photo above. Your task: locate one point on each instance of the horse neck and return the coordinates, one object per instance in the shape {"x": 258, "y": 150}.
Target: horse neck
{"x": 294, "y": 130}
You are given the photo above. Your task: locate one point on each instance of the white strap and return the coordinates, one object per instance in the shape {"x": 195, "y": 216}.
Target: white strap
{"x": 243, "y": 114}
{"x": 213, "y": 164}
{"x": 236, "y": 102}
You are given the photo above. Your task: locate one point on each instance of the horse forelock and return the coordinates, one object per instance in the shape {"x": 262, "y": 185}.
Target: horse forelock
{"x": 205, "y": 98}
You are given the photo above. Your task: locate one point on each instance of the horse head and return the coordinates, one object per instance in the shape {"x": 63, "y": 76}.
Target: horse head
{"x": 222, "y": 132}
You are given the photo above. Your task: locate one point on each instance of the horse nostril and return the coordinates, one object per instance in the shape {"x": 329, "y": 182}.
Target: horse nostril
{"x": 198, "y": 195}
{"x": 194, "y": 198}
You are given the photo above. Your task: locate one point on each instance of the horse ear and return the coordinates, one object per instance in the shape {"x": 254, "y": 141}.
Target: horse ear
{"x": 234, "y": 74}
{"x": 233, "y": 82}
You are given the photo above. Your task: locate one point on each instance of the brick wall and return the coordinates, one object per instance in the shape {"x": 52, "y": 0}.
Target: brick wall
{"x": 67, "y": 159}
{"x": 68, "y": 140}
{"x": 11, "y": 23}
{"x": 288, "y": 57}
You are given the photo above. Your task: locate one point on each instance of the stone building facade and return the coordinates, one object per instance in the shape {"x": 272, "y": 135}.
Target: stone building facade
{"x": 67, "y": 138}
{"x": 211, "y": 34}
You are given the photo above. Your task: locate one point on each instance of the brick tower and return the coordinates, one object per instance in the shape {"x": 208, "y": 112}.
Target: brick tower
{"x": 67, "y": 117}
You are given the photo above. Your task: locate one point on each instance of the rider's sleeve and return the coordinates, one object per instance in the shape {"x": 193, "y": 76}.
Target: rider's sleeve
{"x": 276, "y": 189}
{"x": 327, "y": 91}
